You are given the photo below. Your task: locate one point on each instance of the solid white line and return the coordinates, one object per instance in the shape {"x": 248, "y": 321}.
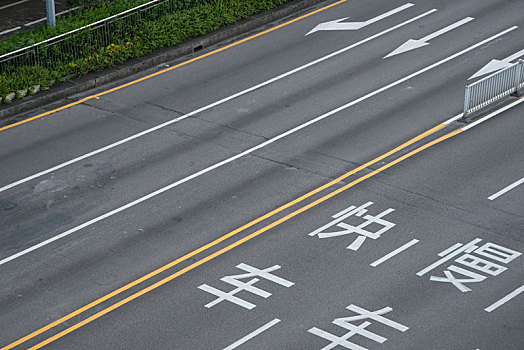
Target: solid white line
{"x": 491, "y": 115}
{"x": 35, "y": 22}
{"x": 447, "y": 29}
{"x": 505, "y": 299}
{"x": 252, "y": 334}
{"x": 506, "y": 189}
{"x": 10, "y": 30}
{"x": 249, "y": 151}
{"x": 212, "y": 105}
{"x": 13, "y": 4}
{"x": 395, "y": 252}
{"x": 43, "y": 19}
{"x": 451, "y": 120}
{"x": 389, "y": 13}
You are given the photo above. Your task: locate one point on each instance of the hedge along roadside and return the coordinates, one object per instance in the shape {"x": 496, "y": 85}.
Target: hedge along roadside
{"x": 144, "y": 37}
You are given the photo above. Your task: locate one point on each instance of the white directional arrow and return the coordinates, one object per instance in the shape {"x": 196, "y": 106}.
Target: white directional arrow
{"x": 412, "y": 44}
{"x": 495, "y": 65}
{"x": 336, "y": 25}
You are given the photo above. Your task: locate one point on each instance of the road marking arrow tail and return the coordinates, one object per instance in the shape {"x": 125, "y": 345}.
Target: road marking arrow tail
{"x": 495, "y": 65}
{"x": 336, "y": 25}
{"x": 413, "y": 44}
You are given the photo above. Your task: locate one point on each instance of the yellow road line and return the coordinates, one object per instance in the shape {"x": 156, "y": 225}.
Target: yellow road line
{"x": 171, "y": 68}
{"x": 241, "y": 241}
{"x": 221, "y": 239}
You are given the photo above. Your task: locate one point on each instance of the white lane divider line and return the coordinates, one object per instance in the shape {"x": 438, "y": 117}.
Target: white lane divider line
{"x": 251, "y": 150}
{"x": 252, "y": 334}
{"x": 506, "y": 189}
{"x": 491, "y": 115}
{"x": 395, "y": 252}
{"x": 212, "y": 105}
{"x": 43, "y": 19}
{"x": 10, "y": 30}
{"x": 13, "y": 4}
{"x": 505, "y": 299}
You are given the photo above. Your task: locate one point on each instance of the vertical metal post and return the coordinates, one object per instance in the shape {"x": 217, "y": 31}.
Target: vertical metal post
{"x": 520, "y": 68}
{"x": 466, "y": 102}
{"x": 50, "y": 11}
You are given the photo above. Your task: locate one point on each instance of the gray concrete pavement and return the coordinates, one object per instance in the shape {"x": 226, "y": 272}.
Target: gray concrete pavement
{"x": 439, "y": 196}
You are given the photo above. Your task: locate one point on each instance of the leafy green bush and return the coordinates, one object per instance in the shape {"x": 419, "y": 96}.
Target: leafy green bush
{"x": 145, "y": 37}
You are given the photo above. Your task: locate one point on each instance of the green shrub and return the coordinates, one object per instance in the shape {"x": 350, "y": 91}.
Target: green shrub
{"x": 145, "y": 37}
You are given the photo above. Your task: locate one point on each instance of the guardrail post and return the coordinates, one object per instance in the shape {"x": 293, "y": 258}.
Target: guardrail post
{"x": 50, "y": 10}
{"x": 466, "y": 102}
{"x": 518, "y": 76}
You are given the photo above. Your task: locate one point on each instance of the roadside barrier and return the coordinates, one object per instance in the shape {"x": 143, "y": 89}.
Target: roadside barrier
{"x": 493, "y": 87}
{"x": 81, "y": 42}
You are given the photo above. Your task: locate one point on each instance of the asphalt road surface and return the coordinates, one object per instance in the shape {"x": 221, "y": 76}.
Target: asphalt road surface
{"x": 17, "y": 15}
{"x": 283, "y": 191}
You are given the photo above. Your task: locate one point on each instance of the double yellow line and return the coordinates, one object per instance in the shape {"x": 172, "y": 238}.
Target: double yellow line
{"x": 231, "y": 234}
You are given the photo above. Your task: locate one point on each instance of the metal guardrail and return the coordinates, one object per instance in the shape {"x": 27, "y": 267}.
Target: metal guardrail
{"x": 493, "y": 87}
{"x": 84, "y": 41}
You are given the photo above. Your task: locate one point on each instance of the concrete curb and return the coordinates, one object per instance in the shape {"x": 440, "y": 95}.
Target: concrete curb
{"x": 93, "y": 80}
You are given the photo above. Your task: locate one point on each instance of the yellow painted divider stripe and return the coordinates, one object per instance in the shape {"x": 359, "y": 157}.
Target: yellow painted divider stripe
{"x": 220, "y": 239}
{"x": 241, "y": 241}
{"x": 170, "y": 68}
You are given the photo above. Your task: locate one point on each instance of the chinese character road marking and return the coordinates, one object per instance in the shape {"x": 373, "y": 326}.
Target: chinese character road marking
{"x": 349, "y": 229}
{"x": 489, "y": 250}
{"x": 467, "y": 248}
{"x": 344, "y": 322}
{"x": 247, "y": 286}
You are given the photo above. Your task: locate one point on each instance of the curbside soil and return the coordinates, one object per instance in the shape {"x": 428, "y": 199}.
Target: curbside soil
{"x": 136, "y": 65}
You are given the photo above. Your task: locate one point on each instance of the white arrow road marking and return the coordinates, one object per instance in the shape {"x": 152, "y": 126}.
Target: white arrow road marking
{"x": 495, "y": 65}
{"x": 335, "y": 25}
{"x": 412, "y": 44}
{"x": 266, "y": 143}
{"x": 214, "y": 104}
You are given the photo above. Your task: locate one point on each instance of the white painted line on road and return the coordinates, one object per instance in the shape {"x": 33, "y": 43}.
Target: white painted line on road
{"x": 212, "y": 105}
{"x": 465, "y": 248}
{"x": 13, "y": 4}
{"x": 336, "y": 25}
{"x": 35, "y": 22}
{"x": 495, "y": 65}
{"x": 252, "y": 334}
{"x": 10, "y": 30}
{"x": 506, "y": 189}
{"x": 251, "y": 150}
{"x": 43, "y": 19}
{"x": 505, "y": 299}
{"x": 395, "y": 252}
{"x": 413, "y": 44}
{"x": 491, "y": 115}
{"x": 449, "y": 250}
{"x": 451, "y": 120}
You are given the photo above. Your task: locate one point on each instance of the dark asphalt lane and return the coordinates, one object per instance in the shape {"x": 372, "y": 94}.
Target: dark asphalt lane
{"x": 439, "y": 195}
{"x": 17, "y": 13}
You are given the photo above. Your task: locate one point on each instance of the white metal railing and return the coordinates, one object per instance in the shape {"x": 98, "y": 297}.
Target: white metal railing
{"x": 493, "y": 87}
{"x": 76, "y": 43}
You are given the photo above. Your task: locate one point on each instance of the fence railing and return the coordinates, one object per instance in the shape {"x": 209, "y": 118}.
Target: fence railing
{"x": 81, "y": 42}
{"x": 493, "y": 87}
